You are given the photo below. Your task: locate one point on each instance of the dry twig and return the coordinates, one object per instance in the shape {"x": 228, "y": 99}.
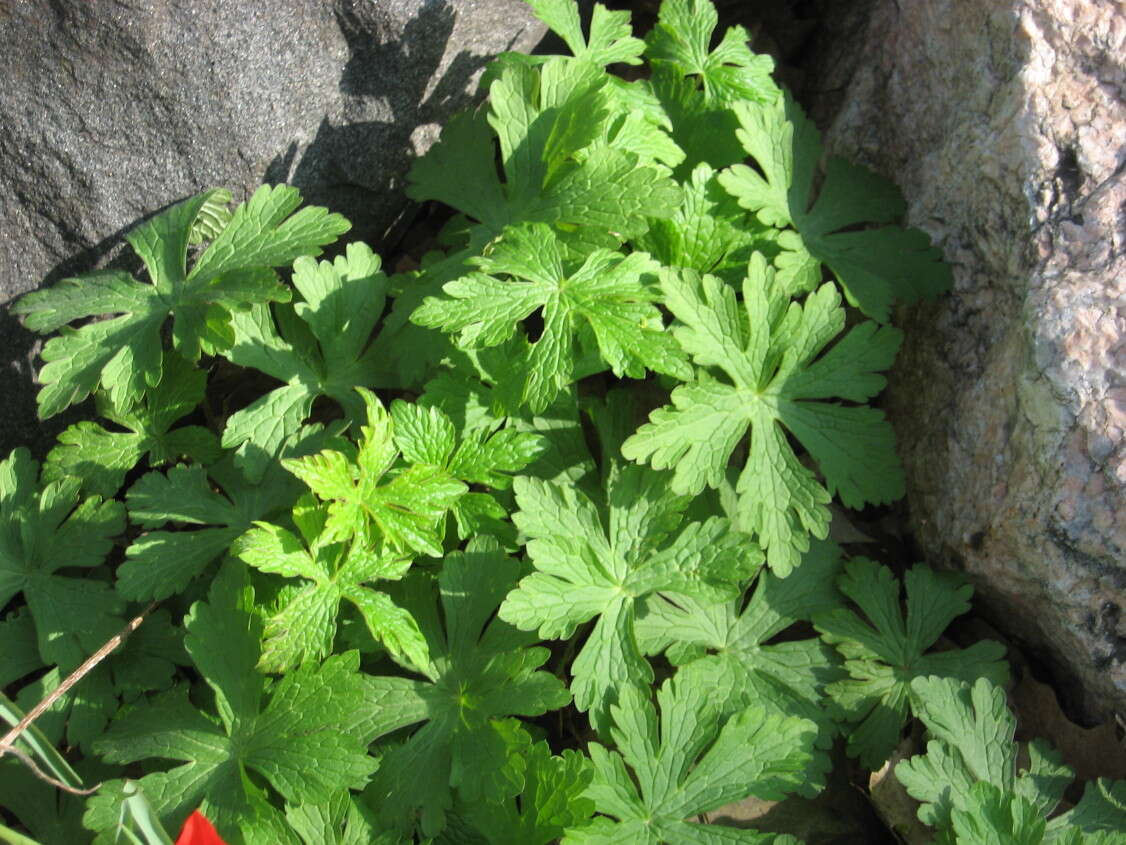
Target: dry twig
{"x": 8, "y": 742}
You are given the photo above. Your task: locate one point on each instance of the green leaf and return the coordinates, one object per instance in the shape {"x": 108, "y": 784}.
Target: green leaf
{"x": 732, "y": 644}
{"x": 220, "y": 499}
{"x": 79, "y": 716}
{"x": 703, "y": 130}
{"x": 19, "y": 648}
{"x": 466, "y": 147}
{"x": 884, "y": 655}
{"x": 875, "y": 266}
{"x": 426, "y": 435}
{"x": 709, "y": 233}
{"x": 45, "y": 530}
{"x": 611, "y": 36}
{"x": 995, "y": 818}
{"x": 611, "y": 294}
{"x": 33, "y": 742}
{"x": 689, "y": 764}
{"x": 1102, "y": 809}
{"x": 481, "y": 671}
{"x": 551, "y": 801}
{"x": 623, "y": 116}
{"x": 343, "y": 820}
{"x": 321, "y": 349}
{"x": 101, "y": 458}
{"x": 588, "y": 568}
{"x": 374, "y": 498}
{"x": 212, "y": 219}
{"x": 145, "y": 663}
{"x": 304, "y": 626}
{"x": 49, "y": 814}
{"x": 729, "y": 73}
{"x": 971, "y": 745}
{"x": 300, "y": 736}
{"x": 777, "y": 357}
{"x": 554, "y": 126}
{"x": 480, "y": 389}
{"x": 482, "y": 398}
{"x": 124, "y": 354}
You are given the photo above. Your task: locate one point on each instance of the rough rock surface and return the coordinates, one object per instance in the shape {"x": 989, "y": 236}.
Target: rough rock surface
{"x": 1005, "y": 125}
{"x": 110, "y": 111}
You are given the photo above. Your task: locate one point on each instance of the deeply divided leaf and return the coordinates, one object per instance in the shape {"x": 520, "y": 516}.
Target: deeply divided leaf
{"x": 123, "y": 354}
{"x": 875, "y": 266}
{"x": 766, "y": 366}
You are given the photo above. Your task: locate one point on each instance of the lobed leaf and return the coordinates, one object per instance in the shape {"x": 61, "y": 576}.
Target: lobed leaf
{"x": 874, "y": 266}
{"x": 728, "y": 74}
{"x": 45, "y": 528}
{"x": 123, "y": 354}
{"x": 609, "y": 293}
{"x": 481, "y": 672}
{"x": 301, "y": 735}
{"x": 585, "y": 570}
{"x": 883, "y": 656}
{"x": 688, "y": 764}
{"x": 320, "y": 351}
{"x": 768, "y": 350}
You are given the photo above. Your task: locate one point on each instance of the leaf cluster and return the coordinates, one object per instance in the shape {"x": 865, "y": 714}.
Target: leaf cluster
{"x": 527, "y": 545}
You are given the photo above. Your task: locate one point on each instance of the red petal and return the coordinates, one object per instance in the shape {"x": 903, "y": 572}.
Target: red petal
{"x": 197, "y": 830}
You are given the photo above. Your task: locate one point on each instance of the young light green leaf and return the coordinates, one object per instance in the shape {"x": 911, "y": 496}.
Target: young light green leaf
{"x": 301, "y": 736}
{"x": 426, "y": 435}
{"x": 885, "y": 654}
{"x": 45, "y": 530}
{"x": 611, "y": 294}
{"x": 689, "y": 764}
{"x": 875, "y": 266}
{"x": 212, "y": 219}
{"x": 773, "y": 352}
{"x": 304, "y": 627}
{"x": 481, "y": 671}
{"x": 321, "y": 349}
{"x": 101, "y": 458}
{"x": 373, "y": 498}
{"x": 730, "y": 73}
{"x": 124, "y": 354}
{"x": 587, "y": 569}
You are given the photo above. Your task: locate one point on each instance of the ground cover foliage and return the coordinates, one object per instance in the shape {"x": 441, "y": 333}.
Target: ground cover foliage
{"x": 528, "y": 544}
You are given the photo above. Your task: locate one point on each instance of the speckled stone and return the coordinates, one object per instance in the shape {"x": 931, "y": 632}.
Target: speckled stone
{"x": 1005, "y": 125}
{"x": 110, "y": 111}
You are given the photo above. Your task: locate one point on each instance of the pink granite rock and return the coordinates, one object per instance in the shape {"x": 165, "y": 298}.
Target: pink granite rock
{"x": 1005, "y": 125}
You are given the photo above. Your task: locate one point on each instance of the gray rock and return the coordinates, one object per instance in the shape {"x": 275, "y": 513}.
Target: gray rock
{"x": 1005, "y": 125}
{"x": 110, "y": 111}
